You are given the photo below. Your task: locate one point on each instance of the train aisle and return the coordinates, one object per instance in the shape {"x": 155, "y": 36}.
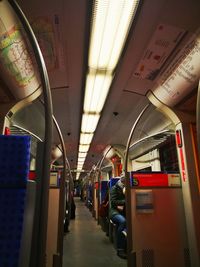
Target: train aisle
{"x": 86, "y": 245}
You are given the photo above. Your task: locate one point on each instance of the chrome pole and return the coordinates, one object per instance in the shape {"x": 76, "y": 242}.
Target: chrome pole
{"x": 131, "y": 254}
{"x": 99, "y": 178}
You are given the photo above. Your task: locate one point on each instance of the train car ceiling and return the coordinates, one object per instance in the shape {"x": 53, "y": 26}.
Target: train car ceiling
{"x": 157, "y": 35}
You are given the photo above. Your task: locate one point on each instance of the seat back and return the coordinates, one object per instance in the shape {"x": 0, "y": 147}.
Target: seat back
{"x": 14, "y": 169}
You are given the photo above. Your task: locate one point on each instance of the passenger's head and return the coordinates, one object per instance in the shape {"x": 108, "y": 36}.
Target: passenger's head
{"x": 122, "y": 177}
{"x": 121, "y": 182}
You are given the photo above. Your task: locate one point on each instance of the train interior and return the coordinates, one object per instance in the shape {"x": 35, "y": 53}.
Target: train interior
{"x": 91, "y": 89}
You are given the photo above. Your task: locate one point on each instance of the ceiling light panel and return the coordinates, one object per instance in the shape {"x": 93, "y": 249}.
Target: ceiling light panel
{"x": 83, "y": 148}
{"x": 86, "y": 138}
{"x": 80, "y": 165}
{"x": 111, "y": 23}
{"x": 81, "y": 160}
{"x": 89, "y": 123}
{"x": 82, "y": 154}
{"x": 96, "y": 90}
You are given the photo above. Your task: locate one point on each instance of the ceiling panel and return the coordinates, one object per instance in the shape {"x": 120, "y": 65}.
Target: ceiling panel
{"x": 67, "y": 27}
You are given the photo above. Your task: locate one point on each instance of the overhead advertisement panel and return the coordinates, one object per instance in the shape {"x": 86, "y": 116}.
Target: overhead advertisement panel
{"x": 161, "y": 45}
{"x": 182, "y": 75}
{"x": 17, "y": 64}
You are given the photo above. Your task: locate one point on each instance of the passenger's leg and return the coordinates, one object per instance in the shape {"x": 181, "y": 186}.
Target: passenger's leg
{"x": 120, "y": 221}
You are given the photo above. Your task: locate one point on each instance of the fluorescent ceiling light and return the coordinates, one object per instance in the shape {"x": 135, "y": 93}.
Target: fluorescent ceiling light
{"x": 96, "y": 90}
{"x": 86, "y": 138}
{"x": 110, "y": 27}
{"x": 83, "y": 148}
{"x": 89, "y": 123}
{"x": 82, "y": 154}
{"x": 80, "y": 165}
{"x": 81, "y": 160}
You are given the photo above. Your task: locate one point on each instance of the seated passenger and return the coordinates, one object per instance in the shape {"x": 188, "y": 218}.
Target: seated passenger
{"x": 117, "y": 214}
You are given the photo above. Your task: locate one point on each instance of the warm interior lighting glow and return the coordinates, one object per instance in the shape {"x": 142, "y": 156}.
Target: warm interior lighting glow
{"x": 96, "y": 90}
{"x": 110, "y": 26}
{"x": 82, "y": 154}
{"x": 86, "y": 138}
{"x": 83, "y": 148}
{"x": 81, "y": 160}
{"x": 89, "y": 123}
{"x": 80, "y": 166}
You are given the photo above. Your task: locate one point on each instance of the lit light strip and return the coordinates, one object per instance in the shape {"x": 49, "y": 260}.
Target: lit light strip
{"x": 81, "y": 160}
{"x": 80, "y": 166}
{"x": 110, "y": 26}
{"x": 84, "y": 148}
{"x": 82, "y": 154}
{"x": 77, "y": 175}
{"x": 96, "y": 91}
{"x": 89, "y": 123}
{"x": 111, "y": 23}
{"x": 86, "y": 138}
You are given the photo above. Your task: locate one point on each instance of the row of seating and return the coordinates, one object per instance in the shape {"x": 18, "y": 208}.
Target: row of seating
{"x": 108, "y": 226}
{"x": 14, "y": 169}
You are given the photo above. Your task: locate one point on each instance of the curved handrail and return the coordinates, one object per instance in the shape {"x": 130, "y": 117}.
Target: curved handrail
{"x": 130, "y": 137}
{"x": 99, "y": 177}
{"x": 45, "y": 172}
{"x": 62, "y": 193}
{"x": 127, "y": 183}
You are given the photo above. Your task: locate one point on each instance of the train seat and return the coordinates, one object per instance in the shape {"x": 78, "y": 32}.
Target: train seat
{"x": 14, "y": 169}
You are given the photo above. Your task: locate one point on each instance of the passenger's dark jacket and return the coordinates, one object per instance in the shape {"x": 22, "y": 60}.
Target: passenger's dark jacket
{"x": 117, "y": 198}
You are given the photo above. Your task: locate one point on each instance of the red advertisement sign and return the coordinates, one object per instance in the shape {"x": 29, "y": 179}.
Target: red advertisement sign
{"x": 155, "y": 179}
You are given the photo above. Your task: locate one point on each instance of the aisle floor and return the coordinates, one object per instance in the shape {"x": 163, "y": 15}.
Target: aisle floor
{"x": 86, "y": 245}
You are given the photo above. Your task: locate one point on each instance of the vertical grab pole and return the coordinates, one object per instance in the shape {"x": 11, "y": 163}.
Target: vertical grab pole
{"x": 99, "y": 178}
{"x": 59, "y": 252}
{"x": 131, "y": 257}
{"x": 45, "y": 172}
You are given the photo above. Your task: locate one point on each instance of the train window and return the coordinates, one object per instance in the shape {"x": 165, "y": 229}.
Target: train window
{"x": 168, "y": 155}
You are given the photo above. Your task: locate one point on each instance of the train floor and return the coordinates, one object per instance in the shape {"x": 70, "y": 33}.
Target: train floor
{"x": 86, "y": 245}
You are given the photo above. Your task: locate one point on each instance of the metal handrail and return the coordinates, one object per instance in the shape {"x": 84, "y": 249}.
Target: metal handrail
{"x": 130, "y": 137}
{"x": 99, "y": 177}
{"x": 61, "y": 196}
{"x": 127, "y": 184}
{"x": 45, "y": 171}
